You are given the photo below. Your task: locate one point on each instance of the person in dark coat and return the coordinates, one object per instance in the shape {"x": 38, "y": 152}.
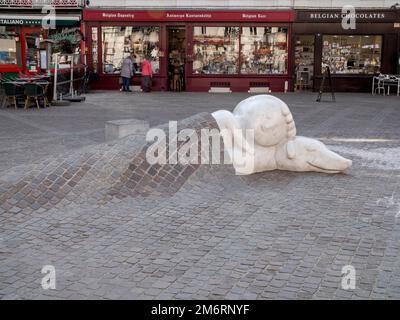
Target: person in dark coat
{"x": 126, "y": 73}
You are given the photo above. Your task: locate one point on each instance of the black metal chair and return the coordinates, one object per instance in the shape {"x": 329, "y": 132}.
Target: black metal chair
{"x": 44, "y": 84}
{"x": 33, "y": 91}
{"x": 13, "y": 92}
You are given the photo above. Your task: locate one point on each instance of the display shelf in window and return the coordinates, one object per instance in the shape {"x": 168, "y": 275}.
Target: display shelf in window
{"x": 216, "y": 50}
{"x": 352, "y": 54}
{"x": 138, "y": 41}
{"x": 263, "y": 50}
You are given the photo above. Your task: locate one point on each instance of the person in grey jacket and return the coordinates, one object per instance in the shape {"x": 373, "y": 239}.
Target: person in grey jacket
{"x": 127, "y": 71}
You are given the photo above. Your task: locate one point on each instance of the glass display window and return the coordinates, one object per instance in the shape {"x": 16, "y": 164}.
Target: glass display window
{"x": 346, "y": 54}
{"x": 8, "y": 46}
{"x": 95, "y": 59}
{"x": 216, "y": 50}
{"x": 264, "y": 50}
{"x": 119, "y": 42}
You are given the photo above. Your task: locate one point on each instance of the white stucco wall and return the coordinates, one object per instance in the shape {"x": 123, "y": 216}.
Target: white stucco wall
{"x": 242, "y": 3}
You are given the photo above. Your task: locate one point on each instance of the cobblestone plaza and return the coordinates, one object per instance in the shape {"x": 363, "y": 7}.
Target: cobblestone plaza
{"x": 70, "y": 199}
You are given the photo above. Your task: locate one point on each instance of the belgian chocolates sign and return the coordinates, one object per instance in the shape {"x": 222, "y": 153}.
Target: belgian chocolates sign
{"x": 337, "y": 16}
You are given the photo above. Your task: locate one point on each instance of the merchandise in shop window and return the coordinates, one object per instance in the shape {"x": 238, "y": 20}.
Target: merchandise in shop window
{"x": 264, "y": 50}
{"x": 216, "y": 50}
{"x": 94, "y": 48}
{"x": 352, "y": 54}
{"x": 118, "y": 42}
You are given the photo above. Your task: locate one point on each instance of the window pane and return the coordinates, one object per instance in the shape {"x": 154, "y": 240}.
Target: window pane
{"x": 352, "y": 54}
{"x": 264, "y": 50}
{"x": 8, "y": 46}
{"x": 119, "y": 42}
{"x": 94, "y": 48}
{"x": 216, "y": 50}
{"x": 8, "y": 51}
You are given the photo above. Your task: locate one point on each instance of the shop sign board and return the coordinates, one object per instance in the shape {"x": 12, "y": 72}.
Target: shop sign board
{"x": 337, "y": 16}
{"x": 21, "y": 22}
{"x": 34, "y": 20}
{"x": 188, "y": 15}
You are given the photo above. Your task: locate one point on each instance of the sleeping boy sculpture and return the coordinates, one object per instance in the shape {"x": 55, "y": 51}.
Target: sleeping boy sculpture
{"x": 260, "y": 135}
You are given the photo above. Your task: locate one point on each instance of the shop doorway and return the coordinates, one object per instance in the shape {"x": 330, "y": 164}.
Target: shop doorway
{"x": 304, "y": 62}
{"x": 34, "y": 45}
{"x": 176, "y": 58}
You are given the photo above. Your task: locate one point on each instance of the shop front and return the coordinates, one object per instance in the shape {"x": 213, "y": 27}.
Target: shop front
{"x": 26, "y": 47}
{"x": 195, "y": 50}
{"x": 354, "y": 56}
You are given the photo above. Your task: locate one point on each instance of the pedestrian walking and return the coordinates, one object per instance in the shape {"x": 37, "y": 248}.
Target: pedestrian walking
{"x": 147, "y": 73}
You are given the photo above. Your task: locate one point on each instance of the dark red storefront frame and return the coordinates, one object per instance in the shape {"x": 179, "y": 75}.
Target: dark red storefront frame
{"x": 20, "y": 66}
{"x": 164, "y": 20}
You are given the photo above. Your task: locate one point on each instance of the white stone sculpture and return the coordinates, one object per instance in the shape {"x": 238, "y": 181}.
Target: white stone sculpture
{"x": 306, "y": 154}
{"x": 260, "y": 135}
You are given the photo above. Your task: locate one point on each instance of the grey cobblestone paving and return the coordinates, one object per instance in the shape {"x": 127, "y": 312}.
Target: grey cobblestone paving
{"x": 266, "y": 236}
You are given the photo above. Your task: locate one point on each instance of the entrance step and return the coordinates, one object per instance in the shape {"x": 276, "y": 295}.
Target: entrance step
{"x": 219, "y": 90}
{"x": 136, "y": 88}
{"x": 259, "y": 90}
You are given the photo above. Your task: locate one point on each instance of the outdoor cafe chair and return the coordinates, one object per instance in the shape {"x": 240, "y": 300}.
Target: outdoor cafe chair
{"x": 383, "y": 80}
{"x": 33, "y": 91}
{"x": 393, "y": 81}
{"x": 44, "y": 84}
{"x": 13, "y": 92}
{"x": 381, "y": 84}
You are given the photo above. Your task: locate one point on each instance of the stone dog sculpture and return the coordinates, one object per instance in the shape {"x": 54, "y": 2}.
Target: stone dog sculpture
{"x": 273, "y": 143}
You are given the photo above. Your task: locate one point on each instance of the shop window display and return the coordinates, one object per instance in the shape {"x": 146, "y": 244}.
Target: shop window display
{"x": 352, "y": 54}
{"x": 216, "y": 50}
{"x": 119, "y": 42}
{"x": 8, "y": 46}
{"x": 264, "y": 50}
{"x": 94, "y": 49}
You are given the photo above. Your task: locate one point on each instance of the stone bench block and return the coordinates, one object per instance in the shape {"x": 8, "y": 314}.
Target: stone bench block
{"x": 117, "y": 129}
